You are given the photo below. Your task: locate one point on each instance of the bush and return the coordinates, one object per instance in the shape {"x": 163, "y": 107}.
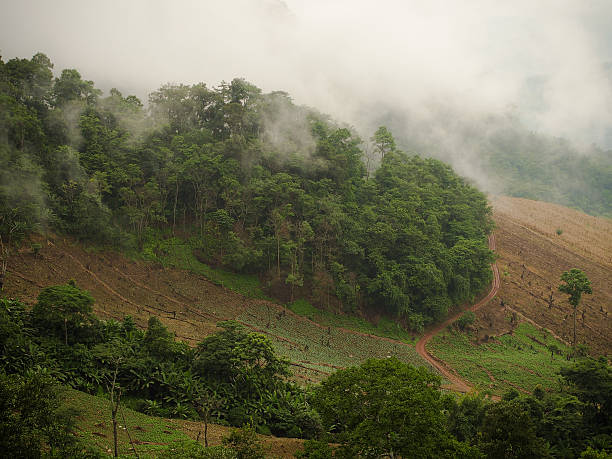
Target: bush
{"x": 245, "y": 443}
{"x": 314, "y": 449}
{"x": 465, "y": 320}
{"x": 31, "y": 421}
{"x": 65, "y": 311}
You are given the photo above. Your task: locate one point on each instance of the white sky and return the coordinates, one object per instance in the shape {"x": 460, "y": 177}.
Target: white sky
{"x": 544, "y": 58}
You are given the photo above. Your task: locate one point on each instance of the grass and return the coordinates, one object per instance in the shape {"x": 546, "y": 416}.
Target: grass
{"x": 521, "y": 360}
{"x": 385, "y": 327}
{"x": 178, "y": 253}
{"x": 150, "y": 435}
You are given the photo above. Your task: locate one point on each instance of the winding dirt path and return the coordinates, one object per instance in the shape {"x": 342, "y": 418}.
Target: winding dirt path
{"x": 457, "y": 383}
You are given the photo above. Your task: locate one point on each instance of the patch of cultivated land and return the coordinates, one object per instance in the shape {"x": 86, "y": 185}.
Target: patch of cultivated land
{"x": 520, "y": 360}
{"x": 190, "y": 305}
{"x": 532, "y": 257}
{"x": 507, "y": 345}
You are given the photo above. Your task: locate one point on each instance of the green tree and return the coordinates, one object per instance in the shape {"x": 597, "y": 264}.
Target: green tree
{"x": 245, "y": 443}
{"x": 591, "y": 381}
{"x": 509, "y": 430}
{"x": 31, "y": 422}
{"x": 576, "y": 283}
{"x": 315, "y": 449}
{"x": 70, "y": 87}
{"x": 64, "y": 308}
{"x": 371, "y": 409}
{"x": 384, "y": 142}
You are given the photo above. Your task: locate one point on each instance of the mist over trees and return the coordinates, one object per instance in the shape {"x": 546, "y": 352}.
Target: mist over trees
{"x": 257, "y": 183}
{"x": 503, "y": 156}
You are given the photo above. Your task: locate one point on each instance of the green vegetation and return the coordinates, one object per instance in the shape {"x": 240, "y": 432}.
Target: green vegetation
{"x": 234, "y": 377}
{"x": 520, "y": 162}
{"x": 179, "y": 253}
{"x": 354, "y": 405}
{"x": 385, "y": 327}
{"x": 466, "y": 319}
{"x": 521, "y": 359}
{"x": 324, "y": 347}
{"x": 32, "y": 419}
{"x": 151, "y": 435}
{"x": 575, "y": 283}
{"x": 248, "y": 182}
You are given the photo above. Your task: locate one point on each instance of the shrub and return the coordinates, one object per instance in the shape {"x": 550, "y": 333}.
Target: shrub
{"x": 245, "y": 443}
{"x": 465, "y": 320}
{"x": 314, "y": 449}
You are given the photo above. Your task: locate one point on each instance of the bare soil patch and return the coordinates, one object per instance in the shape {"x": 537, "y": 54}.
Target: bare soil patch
{"x": 532, "y": 257}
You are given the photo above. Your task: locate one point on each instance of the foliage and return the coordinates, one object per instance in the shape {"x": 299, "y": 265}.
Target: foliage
{"x": 64, "y": 310}
{"x": 252, "y": 191}
{"x": 509, "y": 430}
{"x": 575, "y": 284}
{"x": 31, "y": 421}
{"x": 315, "y": 449}
{"x": 245, "y": 443}
{"x": 368, "y": 410}
{"x": 371, "y": 410}
{"x": 466, "y": 319}
{"x": 591, "y": 381}
{"x": 239, "y": 371}
{"x": 522, "y": 163}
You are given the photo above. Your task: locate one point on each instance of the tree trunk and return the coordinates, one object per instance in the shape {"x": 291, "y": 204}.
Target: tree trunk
{"x": 174, "y": 208}
{"x": 114, "y": 415}
{"x": 206, "y": 432}
{"x": 278, "y": 255}
{"x": 575, "y": 326}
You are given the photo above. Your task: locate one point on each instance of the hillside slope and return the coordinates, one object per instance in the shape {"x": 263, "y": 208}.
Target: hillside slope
{"x": 532, "y": 257}
{"x": 191, "y": 306}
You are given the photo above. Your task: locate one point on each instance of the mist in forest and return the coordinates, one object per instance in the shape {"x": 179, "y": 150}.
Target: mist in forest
{"x": 443, "y": 75}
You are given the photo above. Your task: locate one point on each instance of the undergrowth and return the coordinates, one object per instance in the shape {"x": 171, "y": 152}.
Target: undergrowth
{"x": 385, "y": 327}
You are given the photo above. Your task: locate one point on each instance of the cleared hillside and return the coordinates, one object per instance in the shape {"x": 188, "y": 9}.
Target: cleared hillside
{"x": 531, "y": 259}
{"x": 191, "y": 306}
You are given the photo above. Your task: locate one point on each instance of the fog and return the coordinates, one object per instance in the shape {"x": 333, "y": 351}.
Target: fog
{"x": 546, "y": 64}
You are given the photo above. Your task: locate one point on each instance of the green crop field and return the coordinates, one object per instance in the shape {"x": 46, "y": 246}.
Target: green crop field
{"x": 521, "y": 360}
{"x": 150, "y": 435}
{"x": 304, "y": 342}
{"x": 385, "y": 327}
{"x": 321, "y": 348}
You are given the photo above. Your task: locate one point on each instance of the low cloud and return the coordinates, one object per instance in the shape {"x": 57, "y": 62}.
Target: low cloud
{"x": 546, "y": 63}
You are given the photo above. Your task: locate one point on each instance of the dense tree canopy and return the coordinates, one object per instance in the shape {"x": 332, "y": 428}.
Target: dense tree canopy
{"x": 259, "y": 184}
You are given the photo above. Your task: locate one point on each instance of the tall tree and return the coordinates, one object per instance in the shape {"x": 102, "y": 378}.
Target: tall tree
{"x": 576, "y": 283}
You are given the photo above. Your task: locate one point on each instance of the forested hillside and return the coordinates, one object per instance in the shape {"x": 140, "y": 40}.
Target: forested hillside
{"x": 504, "y": 156}
{"x": 255, "y": 183}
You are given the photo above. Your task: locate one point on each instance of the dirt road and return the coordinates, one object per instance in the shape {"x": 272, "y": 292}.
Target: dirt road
{"x": 457, "y": 383}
